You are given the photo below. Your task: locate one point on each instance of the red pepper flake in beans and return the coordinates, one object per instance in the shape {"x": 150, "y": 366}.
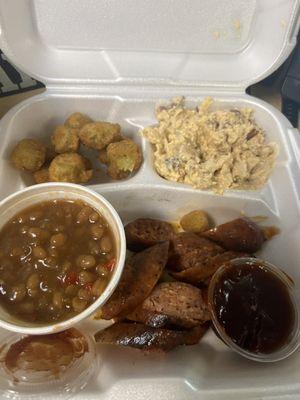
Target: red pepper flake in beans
{"x": 88, "y": 286}
{"x": 71, "y": 278}
{"x": 110, "y": 264}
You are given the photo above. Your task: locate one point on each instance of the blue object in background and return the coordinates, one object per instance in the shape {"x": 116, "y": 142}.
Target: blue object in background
{"x": 12, "y": 80}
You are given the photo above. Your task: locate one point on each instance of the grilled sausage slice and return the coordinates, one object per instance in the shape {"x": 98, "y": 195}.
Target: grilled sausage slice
{"x": 188, "y": 250}
{"x": 144, "y": 337}
{"x": 241, "y": 234}
{"x": 172, "y": 303}
{"x": 202, "y": 274}
{"x": 140, "y": 275}
{"x": 146, "y": 232}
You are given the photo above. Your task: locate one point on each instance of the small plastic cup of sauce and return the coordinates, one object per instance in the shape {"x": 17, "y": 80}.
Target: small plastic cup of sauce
{"x": 254, "y": 309}
{"x": 55, "y": 366}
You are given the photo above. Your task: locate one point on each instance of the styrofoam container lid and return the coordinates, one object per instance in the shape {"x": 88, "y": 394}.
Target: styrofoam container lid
{"x": 231, "y": 43}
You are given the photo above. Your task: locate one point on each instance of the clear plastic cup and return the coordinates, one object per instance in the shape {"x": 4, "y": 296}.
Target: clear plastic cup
{"x": 293, "y": 341}
{"x": 26, "y": 384}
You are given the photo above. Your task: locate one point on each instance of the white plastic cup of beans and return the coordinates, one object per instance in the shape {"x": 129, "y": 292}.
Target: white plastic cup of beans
{"x": 52, "y": 272}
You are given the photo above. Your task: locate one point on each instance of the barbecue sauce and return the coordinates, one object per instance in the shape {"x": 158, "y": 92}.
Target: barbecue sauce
{"x": 51, "y": 354}
{"x": 254, "y": 307}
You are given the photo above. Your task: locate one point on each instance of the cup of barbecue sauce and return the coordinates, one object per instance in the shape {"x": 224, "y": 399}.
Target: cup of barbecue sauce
{"x": 254, "y": 309}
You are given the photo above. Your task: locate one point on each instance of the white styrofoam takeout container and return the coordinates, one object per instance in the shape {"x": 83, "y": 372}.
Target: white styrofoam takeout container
{"x": 114, "y": 60}
{"x": 35, "y": 194}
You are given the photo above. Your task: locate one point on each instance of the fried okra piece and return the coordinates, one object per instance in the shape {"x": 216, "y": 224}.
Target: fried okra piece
{"x": 42, "y": 175}
{"x": 103, "y": 158}
{"x": 124, "y": 157}
{"x": 195, "y": 221}
{"x": 77, "y": 120}
{"x": 70, "y": 167}
{"x": 65, "y": 139}
{"x": 50, "y": 154}
{"x": 97, "y": 135}
{"x": 29, "y": 155}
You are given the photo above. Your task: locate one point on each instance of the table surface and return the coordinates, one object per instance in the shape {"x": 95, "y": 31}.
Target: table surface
{"x": 7, "y": 102}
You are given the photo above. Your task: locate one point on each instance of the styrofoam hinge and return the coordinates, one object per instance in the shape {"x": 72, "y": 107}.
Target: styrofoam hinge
{"x": 113, "y": 88}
